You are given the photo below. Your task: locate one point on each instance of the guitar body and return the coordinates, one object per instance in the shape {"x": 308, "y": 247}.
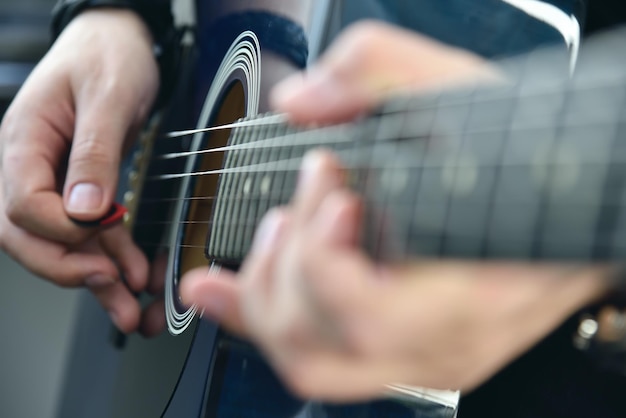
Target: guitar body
{"x": 195, "y": 370}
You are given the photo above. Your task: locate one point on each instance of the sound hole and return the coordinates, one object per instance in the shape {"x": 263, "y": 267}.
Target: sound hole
{"x": 200, "y": 208}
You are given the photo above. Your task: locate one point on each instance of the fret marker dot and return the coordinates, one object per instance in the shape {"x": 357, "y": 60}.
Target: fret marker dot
{"x": 395, "y": 180}
{"x": 460, "y": 175}
{"x": 266, "y": 184}
{"x": 559, "y": 172}
{"x": 247, "y": 186}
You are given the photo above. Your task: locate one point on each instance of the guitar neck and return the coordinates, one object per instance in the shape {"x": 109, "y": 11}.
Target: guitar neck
{"x": 533, "y": 168}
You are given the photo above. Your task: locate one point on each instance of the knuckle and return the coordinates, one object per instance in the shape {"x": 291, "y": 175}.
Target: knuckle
{"x": 300, "y": 380}
{"x": 75, "y": 236}
{"x": 111, "y": 87}
{"x": 67, "y": 281}
{"x": 365, "y": 31}
{"x": 93, "y": 152}
{"x": 16, "y": 208}
{"x": 290, "y": 334}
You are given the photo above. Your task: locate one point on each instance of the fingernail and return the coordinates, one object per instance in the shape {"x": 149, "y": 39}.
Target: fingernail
{"x": 99, "y": 280}
{"x": 269, "y": 231}
{"x": 84, "y": 198}
{"x": 310, "y": 165}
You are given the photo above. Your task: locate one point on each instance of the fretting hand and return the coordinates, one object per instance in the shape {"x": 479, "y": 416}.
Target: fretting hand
{"x": 336, "y": 325}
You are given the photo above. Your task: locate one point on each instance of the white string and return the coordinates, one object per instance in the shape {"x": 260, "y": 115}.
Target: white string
{"x": 274, "y": 119}
{"x": 275, "y": 142}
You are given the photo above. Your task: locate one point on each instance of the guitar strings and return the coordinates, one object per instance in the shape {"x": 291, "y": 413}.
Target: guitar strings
{"x": 275, "y": 142}
{"x": 310, "y": 137}
{"x": 513, "y": 205}
{"x": 454, "y": 100}
{"x": 293, "y": 164}
{"x": 435, "y": 162}
{"x": 275, "y": 119}
{"x": 546, "y": 240}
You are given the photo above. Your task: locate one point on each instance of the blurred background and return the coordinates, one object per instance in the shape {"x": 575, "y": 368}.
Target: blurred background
{"x": 36, "y": 318}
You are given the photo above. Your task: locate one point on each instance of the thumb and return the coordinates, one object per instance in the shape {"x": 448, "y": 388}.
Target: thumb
{"x": 217, "y": 295}
{"x": 94, "y": 160}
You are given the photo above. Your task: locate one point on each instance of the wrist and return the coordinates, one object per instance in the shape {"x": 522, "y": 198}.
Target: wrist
{"x": 150, "y": 19}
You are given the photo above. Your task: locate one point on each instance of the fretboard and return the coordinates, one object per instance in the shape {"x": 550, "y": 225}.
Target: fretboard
{"x": 533, "y": 168}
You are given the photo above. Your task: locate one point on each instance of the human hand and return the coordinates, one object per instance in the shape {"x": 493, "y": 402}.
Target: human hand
{"x": 61, "y": 143}
{"x": 336, "y": 326}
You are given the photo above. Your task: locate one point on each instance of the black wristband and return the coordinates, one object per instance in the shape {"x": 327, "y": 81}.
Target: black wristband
{"x": 156, "y": 14}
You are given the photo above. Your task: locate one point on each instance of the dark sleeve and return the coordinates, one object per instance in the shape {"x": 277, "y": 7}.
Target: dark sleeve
{"x": 156, "y": 13}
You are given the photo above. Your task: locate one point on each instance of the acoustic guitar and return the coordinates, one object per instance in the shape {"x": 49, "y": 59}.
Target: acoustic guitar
{"x": 531, "y": 168}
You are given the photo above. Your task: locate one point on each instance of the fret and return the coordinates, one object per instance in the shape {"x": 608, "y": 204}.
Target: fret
{"x": 393, "y": 186}
{"x": 422, "y": 213}
{"x": 264, "y": 184}
{"x": 276, "y": 193}
{"x": 282, "y": 185}
{"x": 607, "y": 225}
{"x": 221, "y": 218}
{"x": 491, "y": 150}
{"x": 457, "y": 182}
{"x": 556, "y": 180}
{"x": 233, "y": 187}
{"x": 246, "y": 186}
{"x": 617, "y": 240}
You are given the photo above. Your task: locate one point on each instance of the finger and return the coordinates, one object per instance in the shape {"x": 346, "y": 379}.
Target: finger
{"x": 338, "y": 273}
{"x": 119, "y": 245}
{"x": 320, "y": 174}
{"x": 257, "y": 273}
{"x": 153, "y": 320}
{"x": 158, "y": 270}
{"x": 34, "y": 145}
{"x": 216, "y": 295}
{"x": 105, "y": 115}
{"x": 55, "y": 262}
{"x": 123, "y": 308}
{"x": 220, "y": 295}
{"x": 338, "y": 220}
{"x": 342, "y": 285}
{"x": 360, "y": 70}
